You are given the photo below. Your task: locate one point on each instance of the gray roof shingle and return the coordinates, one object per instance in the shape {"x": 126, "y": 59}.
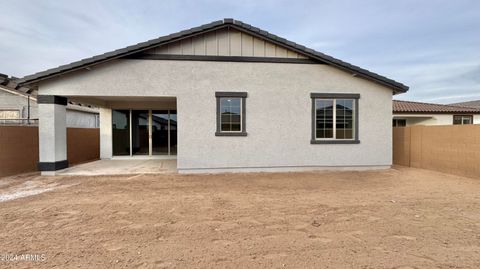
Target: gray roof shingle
{"x": 474, "y": 104}
{"x": 396, "y": 86}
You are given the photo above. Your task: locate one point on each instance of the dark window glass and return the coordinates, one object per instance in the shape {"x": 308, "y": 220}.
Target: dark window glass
{"x": 344, "y": 118}
{"x": 230, "y": 114}
{"x": 121, "y": 132}
{"x": 399, "y": 122}
{"x": 462, "y": 119}
{"x": 324, "y": 118}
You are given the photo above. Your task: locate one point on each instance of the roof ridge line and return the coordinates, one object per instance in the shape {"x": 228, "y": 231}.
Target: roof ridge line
{"x": 447, "y": 105}
{"x": 119, "y": 53}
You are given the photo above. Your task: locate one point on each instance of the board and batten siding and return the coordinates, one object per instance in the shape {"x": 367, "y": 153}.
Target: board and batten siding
{"x": 226, "y": 42}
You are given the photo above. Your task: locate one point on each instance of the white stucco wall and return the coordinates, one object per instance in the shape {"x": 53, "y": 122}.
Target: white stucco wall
{"x": 105, "y": 133}
{"x": 278, "y": 111}
{"x": 432, "y": 119}
{"x": 52, "y": 133}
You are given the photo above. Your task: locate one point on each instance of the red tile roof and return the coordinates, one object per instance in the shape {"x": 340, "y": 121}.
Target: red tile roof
{"x": 418, "y": 107}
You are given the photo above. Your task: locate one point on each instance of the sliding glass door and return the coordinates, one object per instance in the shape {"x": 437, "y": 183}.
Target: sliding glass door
{"x": 121, "y": 132}
{"x": 160, "y": 122}
{"x": 144, "y": 132}
{"x": 173, "y": 132}
{"x": 140, "y": 132}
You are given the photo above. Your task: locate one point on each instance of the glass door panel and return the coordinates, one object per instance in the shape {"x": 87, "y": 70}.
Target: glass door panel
{"x": 173, "y": 132}
{"x": 121, "y": 132}
{"x": 160, "y": 132}
{"x": 140, "y": 133}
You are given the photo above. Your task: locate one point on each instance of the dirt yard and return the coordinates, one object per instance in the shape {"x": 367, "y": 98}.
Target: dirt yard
{"x": 399, "y": 218}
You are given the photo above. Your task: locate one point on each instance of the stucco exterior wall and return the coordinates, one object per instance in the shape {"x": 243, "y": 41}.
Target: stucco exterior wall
{"x": 278, "y": 111}
{"x": 433, "y": 119}
{"x": 105, "y": 133}
{"x": 20, "y": 103}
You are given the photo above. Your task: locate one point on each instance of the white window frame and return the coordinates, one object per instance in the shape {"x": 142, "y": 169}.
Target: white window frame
{"x": 241, "y": 114}
{"x": 355, "y": 116}
{"x": 335, "y": 119}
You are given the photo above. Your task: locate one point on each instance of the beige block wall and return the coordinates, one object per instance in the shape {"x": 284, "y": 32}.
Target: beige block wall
{"x": 278, "y": 113}
{"x": 452, "y": 149}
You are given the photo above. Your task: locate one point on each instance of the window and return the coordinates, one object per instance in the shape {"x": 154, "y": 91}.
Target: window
{"x": 9, "y": 114}
{"x": 462, "y": 119}
{"x": 334, "y": 118}
{"x": 399, "y": 122}
{"x": 231, "y": 113}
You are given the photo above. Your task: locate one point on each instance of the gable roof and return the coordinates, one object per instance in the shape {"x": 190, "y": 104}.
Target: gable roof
{"x": 397, "y": 87}
{"x": 474, "y": 104}
{"x": 418, "y": 107}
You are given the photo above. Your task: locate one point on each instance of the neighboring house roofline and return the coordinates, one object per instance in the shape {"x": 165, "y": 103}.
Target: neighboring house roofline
{"x": 70, "y": 106}
{"x": 473, "y": 103}
{"x": 16, "y": 92}
{"x": 411, "y": 107}
{"x": 397, "y": 87}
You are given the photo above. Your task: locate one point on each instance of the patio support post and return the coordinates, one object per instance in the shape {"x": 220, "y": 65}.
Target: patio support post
{"x": 105, "y": 133}
{"x": 52, "y": 133}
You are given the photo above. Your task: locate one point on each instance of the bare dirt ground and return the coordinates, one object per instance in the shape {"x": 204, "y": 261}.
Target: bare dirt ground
{"x": 398, "y": 218}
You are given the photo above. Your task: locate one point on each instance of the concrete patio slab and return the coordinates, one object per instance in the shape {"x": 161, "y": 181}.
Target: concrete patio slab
{"x": 121, "y": 167}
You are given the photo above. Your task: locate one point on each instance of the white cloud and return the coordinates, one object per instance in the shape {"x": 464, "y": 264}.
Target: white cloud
{"x": 431, "y": 47}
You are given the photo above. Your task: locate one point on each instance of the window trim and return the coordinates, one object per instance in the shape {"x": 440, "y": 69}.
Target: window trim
{"x": 461, "y": 119}
{"x": 243, "y": 97}
{"x": 334, "y": 96}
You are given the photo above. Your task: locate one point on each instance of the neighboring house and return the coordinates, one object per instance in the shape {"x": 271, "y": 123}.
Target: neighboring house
{"x": 406, "y": 113}
{"x": 474, "y": 104}
{"x": 18, "y": 107}
{"x": 244, "y": 100}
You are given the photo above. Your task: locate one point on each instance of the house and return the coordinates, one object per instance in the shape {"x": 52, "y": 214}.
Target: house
{"x": 474, "y": 104}
{"x": 20, "y": 107}
{"x": 224, "y": 96}
{"x": 406, "y": 113}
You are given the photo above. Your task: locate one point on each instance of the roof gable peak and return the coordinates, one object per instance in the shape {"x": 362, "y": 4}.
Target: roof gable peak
{"x": 397, "y": 87}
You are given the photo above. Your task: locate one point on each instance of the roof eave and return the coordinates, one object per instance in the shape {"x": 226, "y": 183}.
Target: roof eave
{"x": 109, "y": 56}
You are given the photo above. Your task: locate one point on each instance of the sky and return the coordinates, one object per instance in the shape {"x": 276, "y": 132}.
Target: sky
{"x": 431, "y": 46}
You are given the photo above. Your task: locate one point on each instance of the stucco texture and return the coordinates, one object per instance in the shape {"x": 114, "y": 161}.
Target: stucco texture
{"x": 433, "y": 119}
{"x": 278, "y": 110}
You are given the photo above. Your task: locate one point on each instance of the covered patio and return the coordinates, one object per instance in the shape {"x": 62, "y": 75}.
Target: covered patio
{"x": 138, "y": 134}
{"x": 122, "y": 167}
